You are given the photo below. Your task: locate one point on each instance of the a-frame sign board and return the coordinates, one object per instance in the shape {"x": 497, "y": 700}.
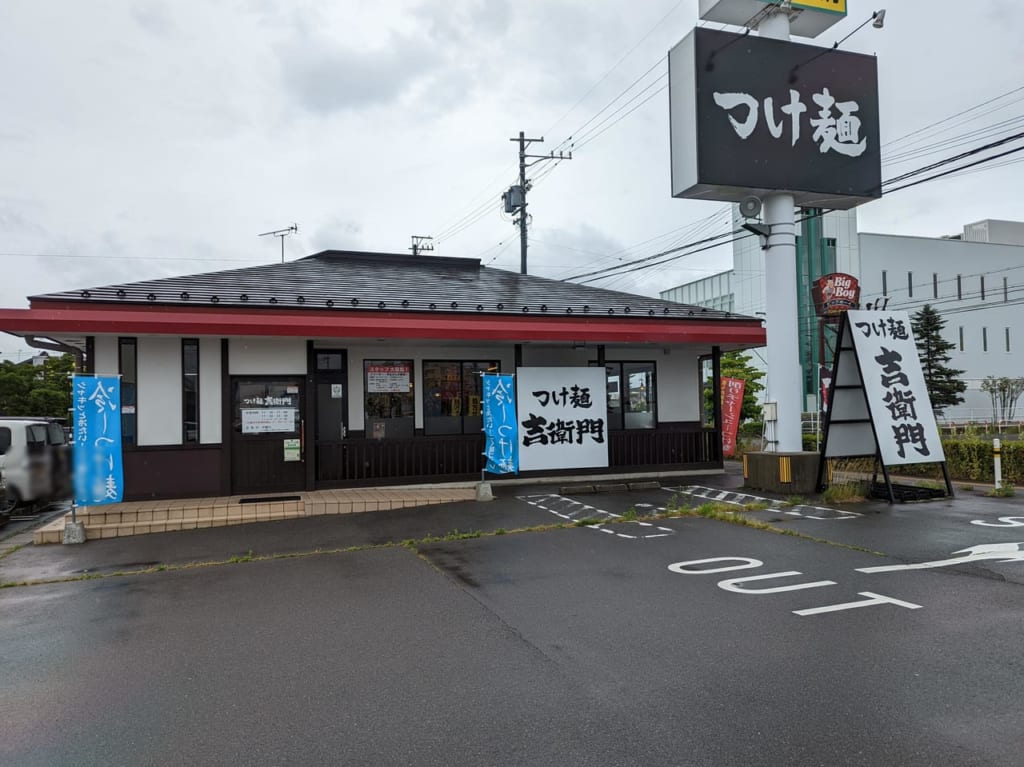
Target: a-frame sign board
{"x": 878, "y": 402}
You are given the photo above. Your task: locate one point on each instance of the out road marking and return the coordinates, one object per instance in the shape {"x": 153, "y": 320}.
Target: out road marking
{"x": 1000, "y": 552}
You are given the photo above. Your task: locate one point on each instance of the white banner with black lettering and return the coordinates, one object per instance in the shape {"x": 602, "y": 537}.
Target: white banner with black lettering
{"x": 897, "y": 396}
{"x": 563, "y": 418}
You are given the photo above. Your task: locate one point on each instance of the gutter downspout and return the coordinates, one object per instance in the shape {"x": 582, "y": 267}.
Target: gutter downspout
{"x": 55, "y": 346}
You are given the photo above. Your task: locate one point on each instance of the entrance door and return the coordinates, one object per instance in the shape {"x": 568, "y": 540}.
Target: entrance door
{"x": 267, "y": 449}
{"x": 331, "y": 414}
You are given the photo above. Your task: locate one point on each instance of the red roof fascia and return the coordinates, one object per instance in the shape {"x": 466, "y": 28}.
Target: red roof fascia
{"x": 56, "y": 319}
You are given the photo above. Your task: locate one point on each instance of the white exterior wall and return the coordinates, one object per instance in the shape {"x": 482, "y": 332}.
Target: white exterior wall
{"x": 209, "y": 391}
{"x": 713, "y": 292}
{"x": 159, "y": 416}
{"x": 159, "y": 413}
{"x": 841, "y": 226}
{"x": 924, "y": 257}
{"x": 679, "y": 390}
{"x": 105, "y": 349}
{"x": 267, "y": 356}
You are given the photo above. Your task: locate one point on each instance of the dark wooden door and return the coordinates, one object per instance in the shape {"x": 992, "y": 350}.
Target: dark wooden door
{"x": 267, "y": 434}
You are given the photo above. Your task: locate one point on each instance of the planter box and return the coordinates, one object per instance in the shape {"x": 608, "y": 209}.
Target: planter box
{"x": 781, "y": 473}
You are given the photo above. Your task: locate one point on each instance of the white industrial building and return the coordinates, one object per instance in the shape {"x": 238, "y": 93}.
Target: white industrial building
{"x": 974, "y": 279}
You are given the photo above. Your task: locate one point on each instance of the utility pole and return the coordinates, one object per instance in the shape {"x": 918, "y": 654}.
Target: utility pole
{"x": 515, "y": 197}
{"x": 282, "y": 233}
{"x": 421, "y": 244}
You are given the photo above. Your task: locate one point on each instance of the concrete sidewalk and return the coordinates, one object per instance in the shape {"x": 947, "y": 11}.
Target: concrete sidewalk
{"x": 143, "y": 517}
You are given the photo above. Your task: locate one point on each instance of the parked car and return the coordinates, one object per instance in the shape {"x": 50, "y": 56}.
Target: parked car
{"x": 6, "y": 502}
{"x": 35, "y": 460}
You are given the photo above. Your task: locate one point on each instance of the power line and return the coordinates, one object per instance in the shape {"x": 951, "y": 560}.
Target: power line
{"x": 954, "y": 116}
{"x": 616, "y": 65}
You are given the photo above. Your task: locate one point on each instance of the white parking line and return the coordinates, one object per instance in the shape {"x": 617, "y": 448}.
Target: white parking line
{"x": 571, "y": 510}
{"x": 743, "y": 499}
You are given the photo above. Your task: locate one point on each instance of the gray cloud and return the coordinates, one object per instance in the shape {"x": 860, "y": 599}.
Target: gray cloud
{"x": 155, "y": 18}
{"x": 325, "y": 77}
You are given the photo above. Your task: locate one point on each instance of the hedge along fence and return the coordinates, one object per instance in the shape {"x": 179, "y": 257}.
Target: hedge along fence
{"x": 971, "y": 460}
{"x": 967, "y": 458}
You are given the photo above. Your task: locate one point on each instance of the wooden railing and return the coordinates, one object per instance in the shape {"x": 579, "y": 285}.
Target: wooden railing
{"x": 354, "y": 461}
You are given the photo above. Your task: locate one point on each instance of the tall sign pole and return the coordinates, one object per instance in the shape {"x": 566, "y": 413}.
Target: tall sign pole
{"x": 759, "y": 118}
{"x": 785, "y": 387}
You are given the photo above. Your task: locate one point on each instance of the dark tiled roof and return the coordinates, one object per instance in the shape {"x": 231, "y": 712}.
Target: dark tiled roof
{"x": 393, "y": 282}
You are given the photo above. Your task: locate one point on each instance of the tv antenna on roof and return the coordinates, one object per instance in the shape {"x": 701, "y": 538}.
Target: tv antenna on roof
{"x": 282, "y": 233}
{"x": 421, "y": 244}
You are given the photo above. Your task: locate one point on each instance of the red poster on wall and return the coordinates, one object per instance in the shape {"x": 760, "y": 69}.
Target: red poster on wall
{"x": 732, "y": 403}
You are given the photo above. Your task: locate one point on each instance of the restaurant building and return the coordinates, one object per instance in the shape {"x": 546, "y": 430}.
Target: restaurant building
{"x": 351, "y": 368}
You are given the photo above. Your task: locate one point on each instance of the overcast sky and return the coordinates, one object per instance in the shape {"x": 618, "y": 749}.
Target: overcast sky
{"x": 145, "y": 139}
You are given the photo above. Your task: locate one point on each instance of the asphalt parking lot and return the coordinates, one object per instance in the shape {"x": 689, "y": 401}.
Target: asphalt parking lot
{"x": 868, "y": 635}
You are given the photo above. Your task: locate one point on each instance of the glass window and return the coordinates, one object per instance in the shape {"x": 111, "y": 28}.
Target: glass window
{"x": 1007, "y": 330}
{"x": 35, "y": 438}
{"x": 266, "y": 407}
{"x": 935, "y": 285}
{"x": 190, "y": 390}
{"x": 631, "y": 395}
{"x": 55, "y": 433}
{"x": 961, "y": 338}
{"x": 330, "y": 361}
{"x": 452, "y": 394}
{"x": 5, "y": 439}
{"x": 885, "y": 283}
{"x": 982, "y": 285}
{"x": 389, "y": 407}
{"x": 959, "y": 287}
{"x": 128, "y": 367}
{"x": 910, "y": 284}
{"x": 984, "y": 339}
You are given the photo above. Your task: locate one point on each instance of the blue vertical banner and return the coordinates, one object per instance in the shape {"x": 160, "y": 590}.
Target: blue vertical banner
{"x": 501, "y": 430}
{"x": 99, "y": 478}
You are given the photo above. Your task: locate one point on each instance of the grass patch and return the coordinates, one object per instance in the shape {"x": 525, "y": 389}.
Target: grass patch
{"x": 588, "y": 522}
{"x": 756, "y": 506}
{"x": 11, "y": 550}
{"x": 795, "y": 500}
{"x": 845, "y": 493}
{"x": 630, "y": 515}
{"x": 1005, "y": 491}
{"x": 235, "y": 560}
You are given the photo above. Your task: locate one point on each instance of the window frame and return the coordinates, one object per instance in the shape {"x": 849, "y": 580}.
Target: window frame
{"x": 428, "y": 419}
{"x": 126, "y": 381}
{"x": 618, "y": 422}
{"x": 405, "y": 424}
{"x": 185, "y": 374}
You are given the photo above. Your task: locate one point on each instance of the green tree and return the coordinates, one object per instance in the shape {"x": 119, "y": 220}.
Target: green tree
{"x": 737, "y": 365}
{"x": 943, "y": 383}
{"x": 36, "y": 390}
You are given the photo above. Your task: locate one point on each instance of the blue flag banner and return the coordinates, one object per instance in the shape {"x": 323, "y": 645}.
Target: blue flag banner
{"x": 97, "y": 448}
{"x": 501, "y": 439}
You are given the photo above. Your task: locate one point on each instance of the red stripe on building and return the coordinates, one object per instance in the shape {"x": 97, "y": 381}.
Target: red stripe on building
{"x": 70, "y": 319}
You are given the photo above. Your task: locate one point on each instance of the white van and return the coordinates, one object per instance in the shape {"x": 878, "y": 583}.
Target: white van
{"x": 34, "y": 459}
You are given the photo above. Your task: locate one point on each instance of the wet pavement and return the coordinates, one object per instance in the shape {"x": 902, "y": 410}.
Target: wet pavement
{"x": 861, "y": 638}
{"x": 906, "y": 531}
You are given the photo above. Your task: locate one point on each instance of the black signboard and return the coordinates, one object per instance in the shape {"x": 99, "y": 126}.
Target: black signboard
{"x": 751, "y": 115}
